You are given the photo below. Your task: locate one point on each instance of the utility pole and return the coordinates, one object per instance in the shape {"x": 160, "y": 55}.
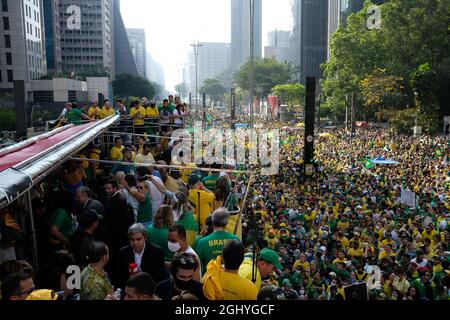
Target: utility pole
{"x": 252, "y": 71}
{"x": 196, "y": 49}
{"x": 353, "y": 114}
{"x": 346, "y": 112}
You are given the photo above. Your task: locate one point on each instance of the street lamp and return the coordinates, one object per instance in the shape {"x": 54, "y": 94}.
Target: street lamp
{"x": 196, "y": 49}
{"x": 252, "y": 71}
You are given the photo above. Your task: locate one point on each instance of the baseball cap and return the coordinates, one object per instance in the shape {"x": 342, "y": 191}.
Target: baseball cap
{"x": 271, "y": 256}
{"x": 323, "y": 249}
{"x": 332, "y": 273}
{"x": 193, "y": 179}
{"x": 287, "y": 283}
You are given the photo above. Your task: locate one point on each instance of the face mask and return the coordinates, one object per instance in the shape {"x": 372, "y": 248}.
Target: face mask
{"x": 173, "y": 247}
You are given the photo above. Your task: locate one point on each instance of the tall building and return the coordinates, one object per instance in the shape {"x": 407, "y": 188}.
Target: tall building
{"x": 278, "y": 45}
{"x": 92, "y": 43}
{"x": 136, "y": 38}
{"x": 309, "y": 38}
{"x": 123, "y": 56}
{"x": 155, "y": 71}
{"x": 52, "y": 36}
{"x": 240, "y": 32}
{"x": 22, "y": 42}
{"x": 213, "y": 59}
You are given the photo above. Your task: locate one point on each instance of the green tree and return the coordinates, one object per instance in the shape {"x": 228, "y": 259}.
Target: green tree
{"x": 93, "y": 71}
{"x": 130, "y": 85}
{"x": 292, "y": 94}
{"x": 414, "y": 32}
{"x": 268, "y": 74}
{"x": 181, "y": 88}
{"x": 7, "y": 119}
{"x": 213, "y": 88}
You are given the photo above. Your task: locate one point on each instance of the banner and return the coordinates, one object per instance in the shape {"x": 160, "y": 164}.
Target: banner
{"x": 408, "y": 198}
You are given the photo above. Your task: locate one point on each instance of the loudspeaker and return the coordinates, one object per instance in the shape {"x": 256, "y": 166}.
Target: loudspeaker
{"x": 357, "y": 291}
{"x": 310, "y": 106}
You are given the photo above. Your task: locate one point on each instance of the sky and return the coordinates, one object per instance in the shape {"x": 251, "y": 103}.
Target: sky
{"x": 171, "y": 26}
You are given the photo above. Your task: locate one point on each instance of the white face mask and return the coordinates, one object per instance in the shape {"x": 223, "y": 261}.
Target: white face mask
{"x": 173, "y": 247}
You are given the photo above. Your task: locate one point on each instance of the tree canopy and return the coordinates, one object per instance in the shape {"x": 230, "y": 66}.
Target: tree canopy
{"x": 268, "y": 73}
{"x": 131, "y": 85}
{"x": 413, "y": 33}
{"x": 292, "y": 94}
{"x": 213, "y": 88}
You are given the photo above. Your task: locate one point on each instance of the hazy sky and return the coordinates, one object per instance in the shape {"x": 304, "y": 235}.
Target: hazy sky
{"x": 172, "y": 25}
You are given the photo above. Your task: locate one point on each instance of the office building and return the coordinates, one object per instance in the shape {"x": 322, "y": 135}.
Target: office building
{"x": 240, "y": 32}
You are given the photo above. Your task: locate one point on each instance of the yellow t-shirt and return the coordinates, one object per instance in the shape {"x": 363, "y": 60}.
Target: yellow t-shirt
{"x": 344, "y": 241}
{"x": 107, "y": 112}
{"x": 116, "y": 153}
{"x": 428, "y": 235}
{"x": 95, "y": 112}
{"x": 246, "y": 271}
{"x": 206, "y": 202}
{"x": 171, "y": 184}
{"x": 237, "y": 288}
{"x": 187, "y": 172}
{"x": 148, "y": 159}
{"x": 304, "y": 265}
{"x": 355, "y": 253}
{"x": 152, "y": 112}
{"x": 138, "y": 114}
{"x": 337, "y": 260}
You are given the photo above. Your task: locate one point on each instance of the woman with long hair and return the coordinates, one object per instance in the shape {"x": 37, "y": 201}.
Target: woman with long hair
{"x": 158, "y": 233}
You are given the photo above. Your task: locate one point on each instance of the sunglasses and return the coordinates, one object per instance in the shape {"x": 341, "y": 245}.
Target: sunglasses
{"x": 186, "y": 260}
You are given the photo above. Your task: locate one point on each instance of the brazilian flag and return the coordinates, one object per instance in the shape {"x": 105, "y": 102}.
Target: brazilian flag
{"x": 190, "y": 225}
{"x": 368, "y": 164}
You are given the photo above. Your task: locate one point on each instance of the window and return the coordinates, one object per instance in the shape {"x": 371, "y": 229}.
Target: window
{"x": 1, "y": 79}
{"x": 5, "y": 23}
{"x": 7, "y": 41}
{"x": 8, "y": 58}
{"x": 5, "y": 5}
{"x": 10, "y": 75}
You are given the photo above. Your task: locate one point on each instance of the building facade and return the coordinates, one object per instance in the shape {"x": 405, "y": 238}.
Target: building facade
{"x": 240, "y": 32}
{"x": 52, "y": 37}
{"x": 136, "y": 37}
{"x": 91, "y": 43}
{"x": 22, "y": 42}
{"x": 309, "y": 39}
{"x": 213, "y": 59}
{"x": 278, "y": 45}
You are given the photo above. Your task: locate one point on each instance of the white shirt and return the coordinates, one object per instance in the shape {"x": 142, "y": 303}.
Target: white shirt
{"x": 138, "y": 258}
{"x": 156, "y": 195}
{"x": 131, "y": 201}
{"x": 423, "y": 264}
{"x": 178, "y": 120}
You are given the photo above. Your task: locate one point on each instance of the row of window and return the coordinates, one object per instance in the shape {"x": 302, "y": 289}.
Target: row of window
{"x": 36, "y": 29}
{"x": 5, "y": 5}
{"x": 34, "y": 46}
{"x": 35, "y": 2}
{"x": 29, "y": 15}
{"x": 9, "y": 76}
{"x": 84, "y": 58}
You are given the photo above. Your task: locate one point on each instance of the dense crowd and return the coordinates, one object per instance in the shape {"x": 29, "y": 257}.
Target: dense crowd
{"x": 139, "y": 228}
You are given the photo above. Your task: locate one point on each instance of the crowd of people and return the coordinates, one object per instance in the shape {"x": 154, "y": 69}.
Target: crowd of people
{"x": 139, "y": 228}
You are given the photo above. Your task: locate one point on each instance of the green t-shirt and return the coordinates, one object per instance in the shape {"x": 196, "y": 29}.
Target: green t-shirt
{"x": 65, "y": 222}
{"x": 159, "y": 237}
{"x": 145, "y": 210}
{"x": 210, "y": 247}
{"x": 210, "y": 182}
{"x": 74, "y": 116}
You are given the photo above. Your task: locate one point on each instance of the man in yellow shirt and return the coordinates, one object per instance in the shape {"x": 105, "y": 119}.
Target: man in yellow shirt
{"x": 340, "y": 258}
{"x": 146, "y": 155}
{"x": 226, "y": 284}
{"x": 266, "y": 263}
{"x": 197, "y": 193}
{"x": 301, "y": 262}
{"x": 107, "y": 110}
{"x": 94, "y": 111}
{"x": 116, "y": 150}
{"x": 152, "y": 111}
{"x": 355, "y": 252}
{"x": 137, "y": 113}
{"x": 429, "y": 232}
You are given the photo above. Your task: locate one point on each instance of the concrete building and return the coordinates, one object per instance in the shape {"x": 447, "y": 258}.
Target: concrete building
{"x": 136, "y": 37}
{"x": 213, "y": 59}
{"x": 240, "y": 32}
{"x": 278, "y": 45}
{"x": 91, "y": 43}
{"x": 59, "y": 90}
{"x": 334, "y": 17}
{"x": 22, "y": 43}
{"x": 309, "y": 38}
{"x": 52, "y": 37}
{"x": 123, "y": 56}
{"x": 155, "y": 71}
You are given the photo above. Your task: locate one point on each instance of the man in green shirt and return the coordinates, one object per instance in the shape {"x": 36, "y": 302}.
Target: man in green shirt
{"x": 210, "y": 247}
{"x": 210, "y": 181}
{"x": 75, "y": 116}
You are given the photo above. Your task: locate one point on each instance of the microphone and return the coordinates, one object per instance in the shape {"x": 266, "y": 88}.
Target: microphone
{"x": 133, "y": 269}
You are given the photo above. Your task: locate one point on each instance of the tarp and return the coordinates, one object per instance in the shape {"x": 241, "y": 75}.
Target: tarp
{"x": 381, "y": 160}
